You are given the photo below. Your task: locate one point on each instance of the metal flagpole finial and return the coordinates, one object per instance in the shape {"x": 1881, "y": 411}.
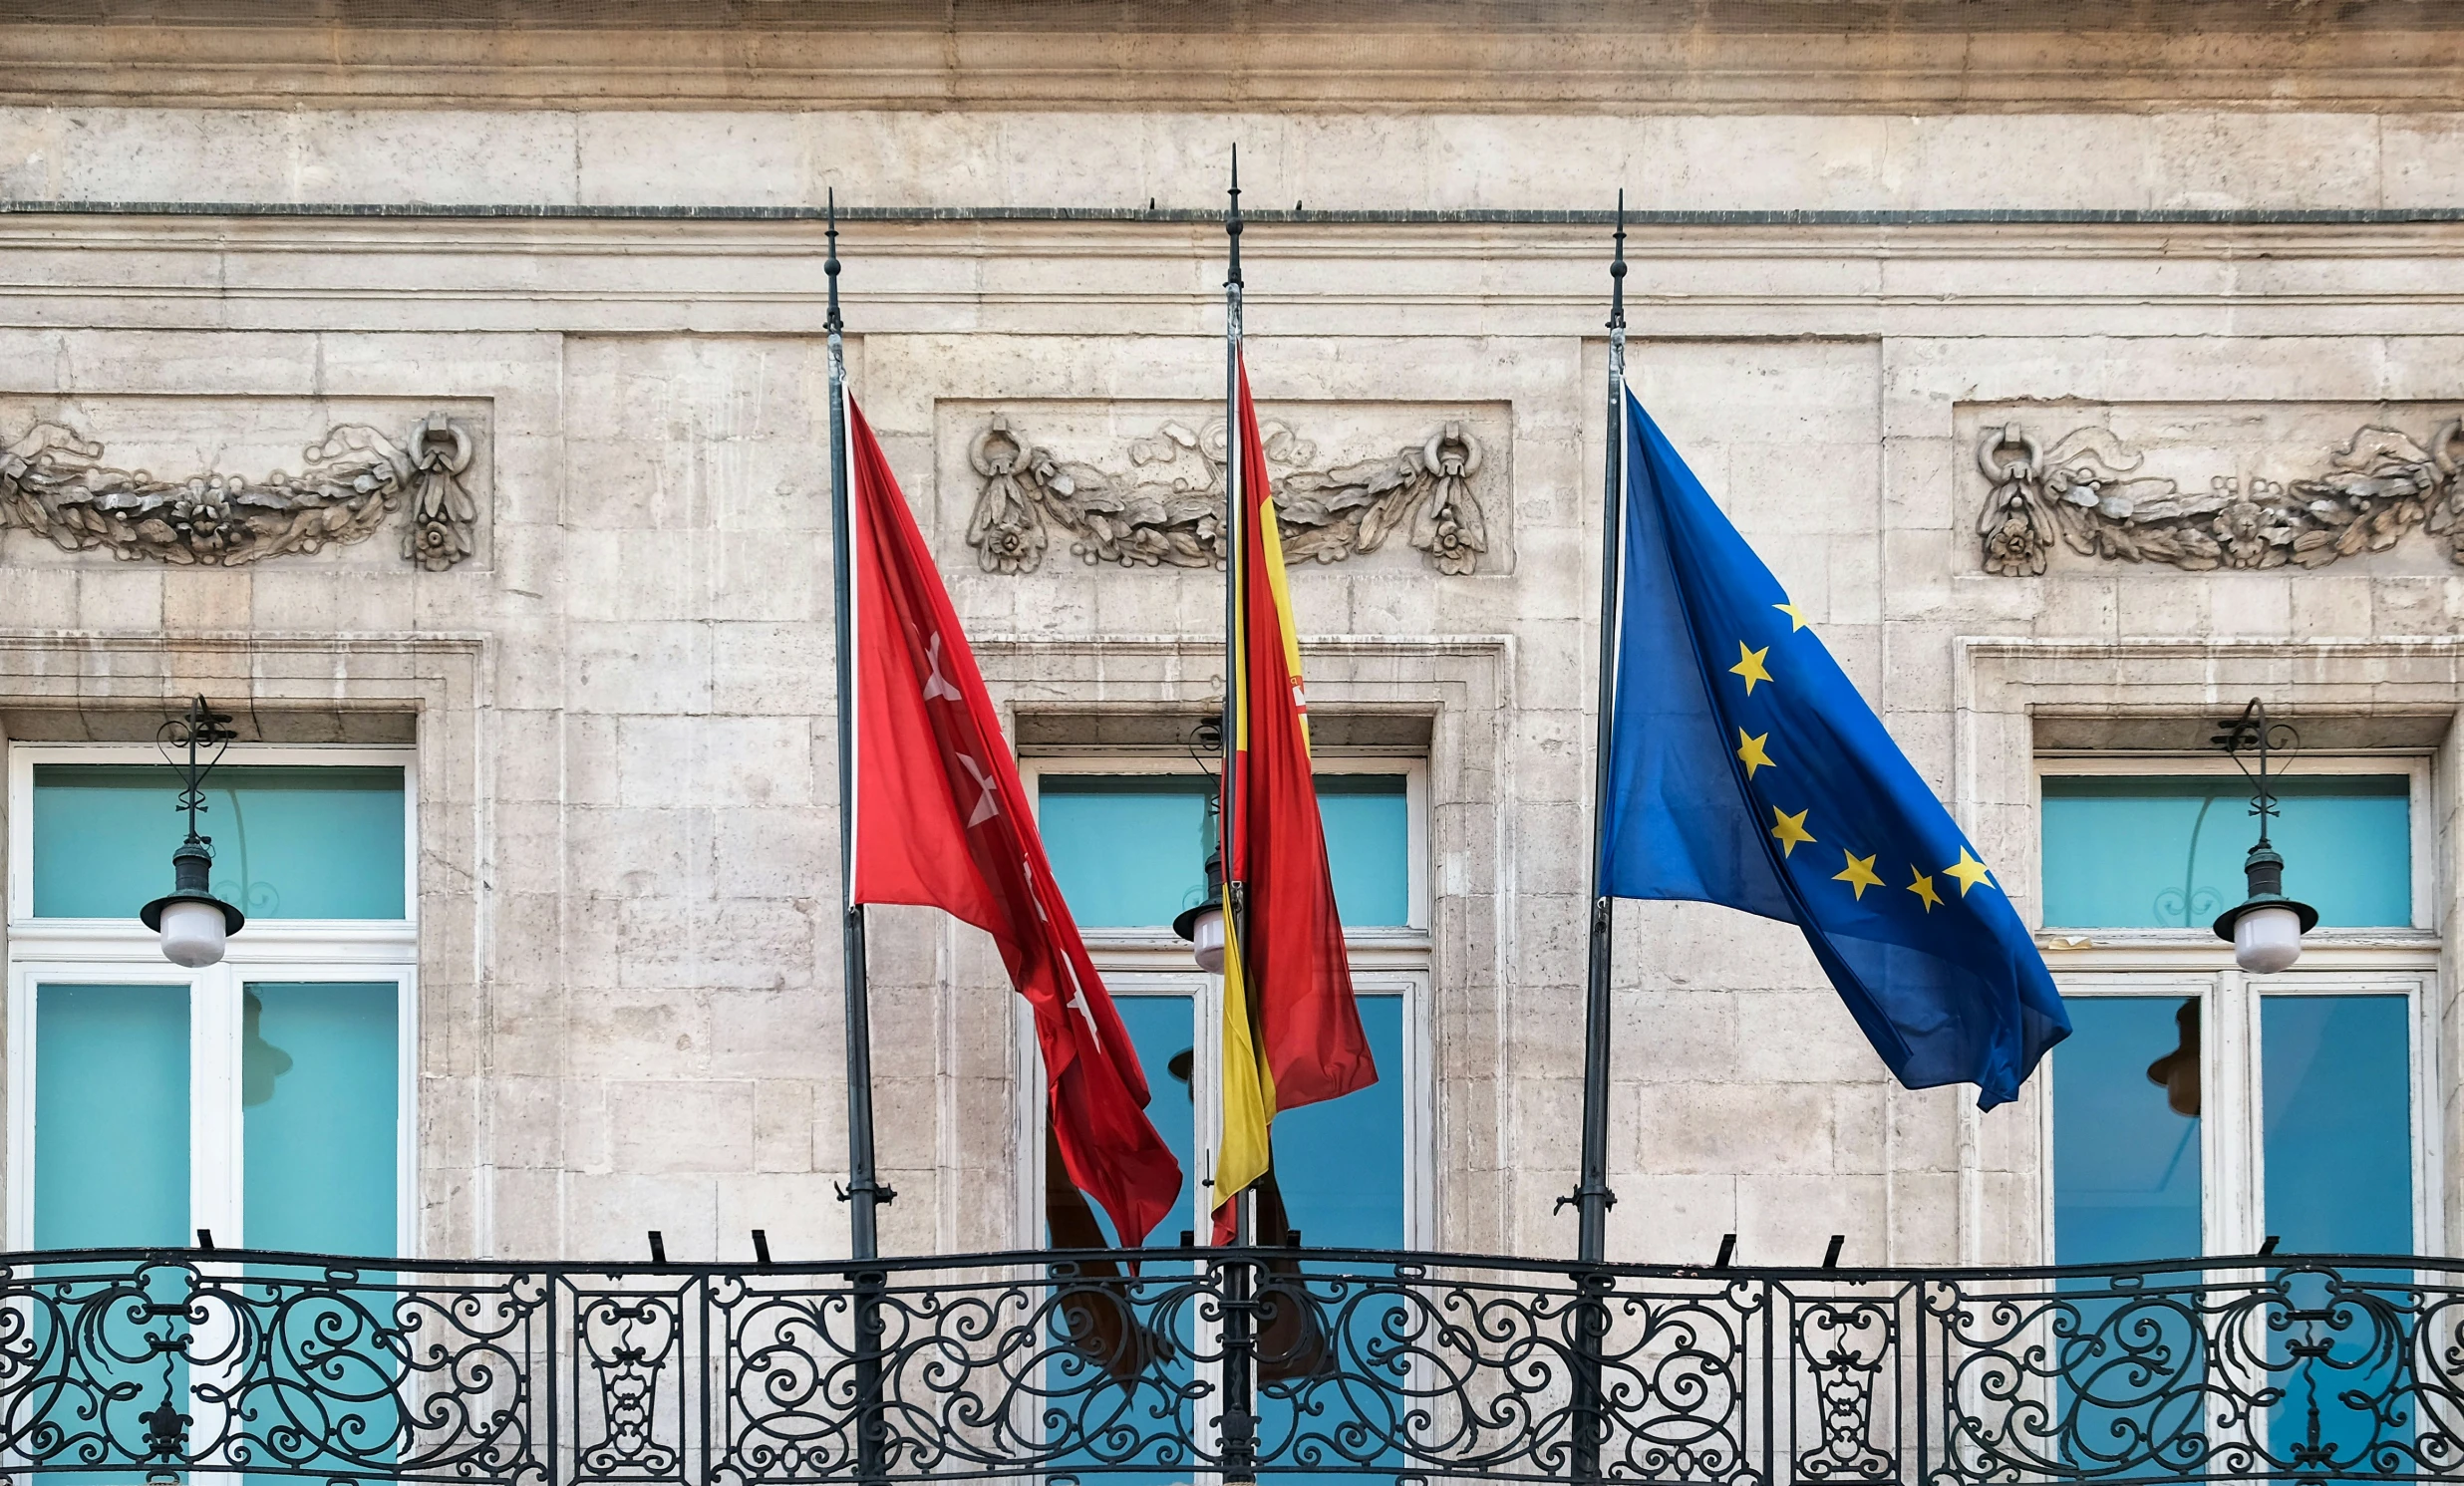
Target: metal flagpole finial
{"x": 1617, "y": 269}
{"x": 829, "y": 265}
{"x": 1232, "y": 221}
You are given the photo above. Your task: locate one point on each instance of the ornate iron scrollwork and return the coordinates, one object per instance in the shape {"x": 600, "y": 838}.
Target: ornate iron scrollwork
{"x": 139, "y": 1361}
{"x": 1397, "y": 1367}
{"x": 629, "y": 1341}
{"x": 1844, "y": 1347}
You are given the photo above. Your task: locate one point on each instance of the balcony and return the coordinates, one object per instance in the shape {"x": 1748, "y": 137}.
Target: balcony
{"x": 1227, "y": 1364}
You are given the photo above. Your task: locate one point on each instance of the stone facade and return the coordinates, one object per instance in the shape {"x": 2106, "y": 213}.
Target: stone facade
{"x": 2229, "y": 255}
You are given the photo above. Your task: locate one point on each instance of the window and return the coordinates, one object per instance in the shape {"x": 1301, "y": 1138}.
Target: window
{"x": 1128, "y": 838}
{"x": 267, "y": 1098}
{"x": 2198, "y": 1110}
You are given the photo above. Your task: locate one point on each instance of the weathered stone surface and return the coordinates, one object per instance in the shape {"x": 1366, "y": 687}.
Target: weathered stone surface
{"x": 631, "y": 999}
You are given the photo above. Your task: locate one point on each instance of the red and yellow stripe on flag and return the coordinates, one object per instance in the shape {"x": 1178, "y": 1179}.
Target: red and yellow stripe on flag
{"x": 1291, "y": 1029}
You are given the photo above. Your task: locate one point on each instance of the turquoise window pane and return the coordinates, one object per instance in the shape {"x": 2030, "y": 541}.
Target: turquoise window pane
{"x": 2134, "y": 852}
{"x": 1130, "y": 850}
{"x": 1341, "y": 1163}
{"x": 289, "y": 842}
{"x": 111, "y": 1116}
{"x": 320, "y": 1111}
{"x": 1368, "y": 847}
{"x": 2126, "y": 1167}
{"x": 2336, "y": 1139}
{"x": 1160, "y": 1028}
{"x": 2335, "y": 1106}
{"x": 2336, "y": 1120}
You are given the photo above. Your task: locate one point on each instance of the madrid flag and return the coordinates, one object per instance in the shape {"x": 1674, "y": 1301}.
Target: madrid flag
{"x": 941, "y": 821}
{"x": 1291, "y": 1029}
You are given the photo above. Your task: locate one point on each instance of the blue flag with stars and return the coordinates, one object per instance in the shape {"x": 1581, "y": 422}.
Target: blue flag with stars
{"x": 1744, "y": 769}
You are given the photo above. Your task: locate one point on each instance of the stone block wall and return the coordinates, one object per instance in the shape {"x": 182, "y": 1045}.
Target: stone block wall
{"x": 630, "y": 961}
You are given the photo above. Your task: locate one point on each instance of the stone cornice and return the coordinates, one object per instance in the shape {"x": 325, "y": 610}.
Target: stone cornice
{"x": 1159, "y": 278}
{"x": 1546, "y": 55}
{"x": 930, "y": 232}
{"x": 1640, "y": 220}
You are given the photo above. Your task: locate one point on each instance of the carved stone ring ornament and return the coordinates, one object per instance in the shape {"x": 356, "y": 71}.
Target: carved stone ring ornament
{"x": 53, "y": 483}
{"x": 2375, "y": 488}
{"x": 1166, "y": 508}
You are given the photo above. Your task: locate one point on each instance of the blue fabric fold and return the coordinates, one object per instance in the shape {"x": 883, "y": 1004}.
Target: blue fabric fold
{"x": 1745, "y": 770}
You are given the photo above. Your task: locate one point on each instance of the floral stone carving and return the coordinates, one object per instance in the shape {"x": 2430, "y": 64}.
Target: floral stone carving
{"x": 2084, "y": 491}
{"x": 1167, "y": 506}
{"x": 55, "y": 484}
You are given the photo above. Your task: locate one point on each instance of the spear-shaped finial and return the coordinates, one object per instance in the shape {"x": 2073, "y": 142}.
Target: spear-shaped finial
{"x": 829, "y": 266}
{"x": 1232, "y": 217}
{"x": 1617, "y": 269}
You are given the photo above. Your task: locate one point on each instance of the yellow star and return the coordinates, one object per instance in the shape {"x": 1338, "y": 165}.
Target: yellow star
{"x": 1860, "y": 874}
{"x": 1789, "y": 829}
{"x": 1749, "y": 665}
{"x": 1923, "y": 887}
{"x": 1796, "y": 620}
{"x": 1750, "y": 752}
{"x": 1968, "y": 870}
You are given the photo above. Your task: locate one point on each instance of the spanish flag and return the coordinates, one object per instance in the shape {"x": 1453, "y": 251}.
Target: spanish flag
{"x": 1291, "y": 1029}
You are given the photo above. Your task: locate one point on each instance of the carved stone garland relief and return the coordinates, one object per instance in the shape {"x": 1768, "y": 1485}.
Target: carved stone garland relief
{"x": 1167, "y": 506}
{"x": 2082, "y": 488}
{"x": 55, "y": 484}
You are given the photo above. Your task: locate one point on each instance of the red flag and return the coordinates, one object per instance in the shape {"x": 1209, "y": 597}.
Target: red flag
{"x": 1288, "y": 955}
{"x": 941, "y": 821}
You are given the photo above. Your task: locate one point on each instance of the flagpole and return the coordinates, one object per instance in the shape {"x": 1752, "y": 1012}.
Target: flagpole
{"x": 1236, "y": 551}
{"x": 1592, "y": 1199}
{"x": 865, "y": 1191}
{"x": 1239, "y": 1425}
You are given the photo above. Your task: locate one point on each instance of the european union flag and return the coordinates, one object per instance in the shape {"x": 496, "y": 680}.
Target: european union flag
{"x": 1744, "y": 769}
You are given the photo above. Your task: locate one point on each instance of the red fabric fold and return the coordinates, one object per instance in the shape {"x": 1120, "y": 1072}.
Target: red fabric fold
{"x": 1308, "y": 1024}
{"x": 942, "y": 821}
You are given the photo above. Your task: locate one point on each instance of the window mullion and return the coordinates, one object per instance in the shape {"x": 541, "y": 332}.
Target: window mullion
{"x": 2428, "y": 1118}
{"x": 1206, "y": 1099}
{"x": 2232, "y": 1125}
{"x": 215, "y": 1179}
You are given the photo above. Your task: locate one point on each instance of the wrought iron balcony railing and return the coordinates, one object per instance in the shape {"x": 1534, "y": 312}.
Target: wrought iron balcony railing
{"x": 1227, "y": 1363}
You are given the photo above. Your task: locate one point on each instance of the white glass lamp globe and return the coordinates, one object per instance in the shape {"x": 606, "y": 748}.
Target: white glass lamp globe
{"x": 1206, "y": 940}
{"x": 2266, "y": 927}
{"x": 194, "y": 933}
{"x": 193, "y": 923}
{"x": 2267, "y": 940}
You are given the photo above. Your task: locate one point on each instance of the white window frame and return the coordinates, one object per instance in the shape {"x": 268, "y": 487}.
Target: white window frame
{"x": 114, "y": 952}
{"x": 2171, "y": 964}
{"x": 1154, "y": 961}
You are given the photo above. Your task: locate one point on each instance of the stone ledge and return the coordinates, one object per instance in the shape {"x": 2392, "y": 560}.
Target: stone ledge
{"x": 1334, "y": 54}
